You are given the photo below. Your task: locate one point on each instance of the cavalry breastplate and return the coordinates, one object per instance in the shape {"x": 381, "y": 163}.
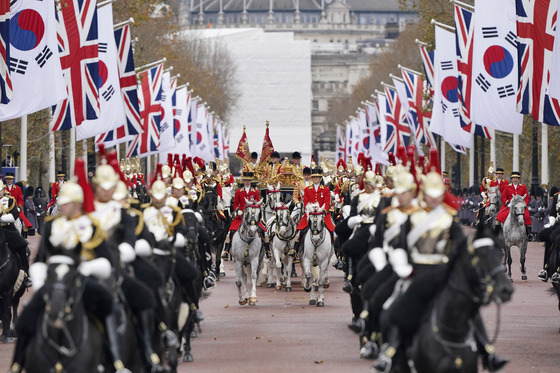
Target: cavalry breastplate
{"x": 159, "y": 221}
{"x": 109, "y": 215}
{"x": 367, "y": 203}
{"x": 67, "y": 234}
{"x": 432, "y": 247}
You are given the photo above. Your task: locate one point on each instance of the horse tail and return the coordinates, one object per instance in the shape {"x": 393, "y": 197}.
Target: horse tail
{"x": 554, "y": 291}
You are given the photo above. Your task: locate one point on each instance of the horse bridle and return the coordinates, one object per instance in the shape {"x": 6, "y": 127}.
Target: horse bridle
{"x": 249, "y": 215}
{"x": 280, "y": 223}
{"x": 316, "y": 228}
{"x": 270, "y": 200}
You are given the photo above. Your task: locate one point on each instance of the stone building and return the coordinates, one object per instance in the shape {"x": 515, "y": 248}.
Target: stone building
{"x": 344, "y": 36}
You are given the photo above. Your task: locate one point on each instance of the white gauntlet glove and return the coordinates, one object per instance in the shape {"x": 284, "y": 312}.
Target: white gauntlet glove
{"x": 353, "y": 221}
{"x": 127, "y": 252}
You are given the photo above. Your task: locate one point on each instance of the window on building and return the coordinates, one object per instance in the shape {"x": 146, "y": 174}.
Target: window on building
{"x": 315, "y": 105}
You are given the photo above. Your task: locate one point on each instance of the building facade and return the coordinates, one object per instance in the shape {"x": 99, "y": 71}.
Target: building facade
{"x": 344, "y": 34}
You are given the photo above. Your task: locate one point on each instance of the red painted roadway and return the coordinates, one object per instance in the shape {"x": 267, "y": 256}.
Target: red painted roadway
{"x": 282, "y": 333}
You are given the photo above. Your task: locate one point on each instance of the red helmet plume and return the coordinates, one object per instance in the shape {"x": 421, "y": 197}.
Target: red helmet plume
{"x": 392, "y": 159}
{"x": 401, "y": 154}
{"x": 434, "y": 161}
{"x": 170, "y": 160}
{"x": 102, "y": 154}
{"x": 82, "y": 180}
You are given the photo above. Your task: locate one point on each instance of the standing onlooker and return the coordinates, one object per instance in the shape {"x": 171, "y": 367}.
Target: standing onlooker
{"x": 40, "y": 202}
{"x": 30, "y": 211}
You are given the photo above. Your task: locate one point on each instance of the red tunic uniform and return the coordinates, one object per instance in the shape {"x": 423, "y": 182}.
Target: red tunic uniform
{"x": 501, "y": 184}
{"x": 54, "y": 192}
{"x": 322, "y": 196}
{"x": 239, "y": 202}
{"x": 15, "y": 192}
{"x": 509, "y": 191}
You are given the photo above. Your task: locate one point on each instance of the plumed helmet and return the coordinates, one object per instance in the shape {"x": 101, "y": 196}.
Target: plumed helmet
{"x": 121, "y": 191}
{"x": 188, "y": 176}
{"x": 178, "y": 183}
{"x": 105, "y": 177}
{"x": 491, "y": 168}
{"x": 158, "y": 190}
{"x": 404, "y": 182}
{"x": 165, "y": 171}
{"x": 71, "y": 192}
{"x": 340, "y": 165}
{"x": 433, "y": 185}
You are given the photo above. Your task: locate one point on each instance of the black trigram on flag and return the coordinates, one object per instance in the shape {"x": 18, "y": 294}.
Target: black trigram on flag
{"x": 102, "y": 47}
{"x": 489, "y": 32}
{"x": 455, "y": 112}
{"x": 18, "y": 66}
{"x": 506, "y": 91}
{"x": 109, "y": 92}
{"x": 482, "y": 82}
{"x": 44, "y": 56}
{"x": 443, "y": 107}
{"x": 512, "y": 39}
{"x": 446, "y": 65}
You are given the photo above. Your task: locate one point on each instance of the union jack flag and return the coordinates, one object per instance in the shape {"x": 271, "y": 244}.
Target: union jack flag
{"x": 176, "y": 121}
{"x": 149, "y": 99}
{"x": 6, "y": 89}
{"x": 340, "y": 144}
{"x": 396, "y": 118}
{"x": 536, "y": 22}
{"x": 415, "y": 93}
{"x": 129, "y": 91}
{"x": 428, "y": 63}
{"x": 464, "y": 40}
{"x": 78, "y": 47}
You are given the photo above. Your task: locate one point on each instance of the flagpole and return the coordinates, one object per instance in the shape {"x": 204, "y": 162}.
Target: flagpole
{"x": 493, "y": 146}
{"x": 544, "y": 154}
{"x": 149, "y": 66}
{"x": 103, "y": 3}
{"x": 72, "y": 149}
{"x": 396, "y": 78}
{"x": 442, "y": 155}
{"x": 122, "y": 24}
{"x": 422, "y": 43}
{"x": 23, "y": 150}
{"x": 515, "y": 152}
{"x": 52, "y": 161}
{"x": 85, "y": 154}
{"x": 461, "y": 4}
{"x": 409, "y": 70}
{"x": 442, "y": 25}
{"x": 471, "y": 162}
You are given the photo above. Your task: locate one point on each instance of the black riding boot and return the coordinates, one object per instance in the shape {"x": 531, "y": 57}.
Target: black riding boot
{"x": 528, "y": 229}
{"x": 385, "y": 360}
{"x": 19, "y": 352}
{"x": 348, "y": 287}
{"x": 111, "y": 329}
{"x": 146, "y": 321}
{"x": 497, "y": 229}
{"x": 490, "y": 359}
{"x": 227, "y": 248}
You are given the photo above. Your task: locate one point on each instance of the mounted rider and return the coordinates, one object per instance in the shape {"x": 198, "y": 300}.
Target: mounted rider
{"x": 429, "y": 241}
{"x": 8, "y": 216}
{"x": 16, "y": 192}
{"x": 513, "y": 189}
{"x": 486, "y": 184}
{"x": 242, "y": 196}
{"x": 499, "y": 181}
{"x": 319, "y": 194}
{"x": 72, "y": 237}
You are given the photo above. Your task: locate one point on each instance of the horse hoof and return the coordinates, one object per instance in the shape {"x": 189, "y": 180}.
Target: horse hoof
{"x": 316, "y": 288}
{"x": 222, "y": 274}
{"x": 288, "y": 288}
{"x": 278, "y": 287}
{"x": 252, "y": 301}
{"x": 270, "y": 285}
{"x": 312, "y": 302}
{"x": 243, "y": 302}
{"x": 188, "y": 358}
{"x": 320, "y": 304}
{"x": 6, "y": 339}
{"x": 524, "y": 277}
{"x": 293, "y": 274}
{"x": 306, "y": 289}
{"x": 326, "y": 286}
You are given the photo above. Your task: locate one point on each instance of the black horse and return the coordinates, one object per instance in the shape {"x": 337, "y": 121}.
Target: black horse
{"x": 9, "y": 296}
{"x": 216, "y": 224}
{"x": 445, "y": 340}
{"x": 66, "y": 339}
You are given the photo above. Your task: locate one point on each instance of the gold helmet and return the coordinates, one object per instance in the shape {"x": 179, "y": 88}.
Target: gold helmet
{"x": 178, "y": 183}
{"x": 2, "y": 186}
{"x": 491, "y": 168}
{"x": 404, "y": 181}
{"x": 350, "y": 165}
{"x": 105, "y": 177}
{"x": 71, "y": 192}
{"x": 433, "y": 185}
{"x": 158, "y": 190}
{"x": 121, "y": 191}
{"x": 371, "y": 178}
{"x": 188, "y": 176}
{"x": 165, "y": 171}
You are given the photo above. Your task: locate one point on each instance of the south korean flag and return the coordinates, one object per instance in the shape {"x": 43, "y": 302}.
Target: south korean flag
{"x": 35, "y": 70}
{"x": 495, "y": 72}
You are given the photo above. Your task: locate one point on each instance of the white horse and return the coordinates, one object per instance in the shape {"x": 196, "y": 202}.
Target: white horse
{"x": 515, "y": 233}
{"x": 273, "y": 196}
{"x": 246, "y": 252}
{"x": 284, "y": 239}
{"x": 493, "y": 207}
{"x": 317, "y": 252}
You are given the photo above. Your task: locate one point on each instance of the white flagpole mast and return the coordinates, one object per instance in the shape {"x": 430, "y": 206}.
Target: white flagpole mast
{"x": 493, "y": 146}
{"x": 52, "y": 160}
{"x": 544, "y": 154}
{"x": 72, "y": 149}
{"x": 442, "y": 155}
{"x": 84, "y": 149}
{"x": 23, "y": 150}
{"x": 515, "y": 152}
{"x": 471, "y": 162}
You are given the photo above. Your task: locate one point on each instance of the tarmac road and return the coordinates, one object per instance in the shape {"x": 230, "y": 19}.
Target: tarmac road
{"x": 282, "y": 333}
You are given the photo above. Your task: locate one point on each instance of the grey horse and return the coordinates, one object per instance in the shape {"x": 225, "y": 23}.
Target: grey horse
{"x": 247, "y": 254}
{"x": 515, "y": 233}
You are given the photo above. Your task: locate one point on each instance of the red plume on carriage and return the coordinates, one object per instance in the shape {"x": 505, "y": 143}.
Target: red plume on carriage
{"x": 82, "y": 180}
